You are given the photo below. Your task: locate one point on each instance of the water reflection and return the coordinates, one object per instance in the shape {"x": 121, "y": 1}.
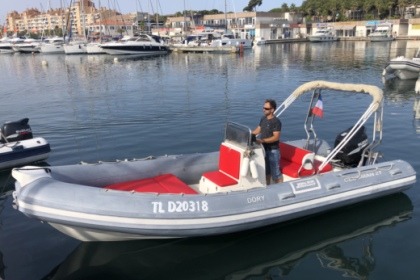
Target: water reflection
{"x": 91, "y": 108}
{"x": 416, "y": 109}
{"x": 29, "y": 249}
{"x": 267, "y": 253}
{"x": 334, "y": 257}
{"x": 6, "y": 184}
{"x": 404, "y": 48}
{"x": 2, "y": 266}
{"x": 398, "y": 90}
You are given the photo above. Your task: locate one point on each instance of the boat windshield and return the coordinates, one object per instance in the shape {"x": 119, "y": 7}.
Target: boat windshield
{"x": 141, "y": 38}
{"x": 238, "y": 133}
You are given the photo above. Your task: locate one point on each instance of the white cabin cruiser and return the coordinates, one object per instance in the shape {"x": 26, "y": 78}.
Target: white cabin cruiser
{"x": 232, "y": 41}
{"x": 323, "y": 34}
{"x": 6, "y": 46}
{"x": 29, "y": 45}
{"x": 382, "y": 33}
{"x": 52, "y": 45}
{"x": 18, "y": 146}
{"x": 218, "y": 192}
{"x": 202, "y": 39}
{"x": 143, "y": 45}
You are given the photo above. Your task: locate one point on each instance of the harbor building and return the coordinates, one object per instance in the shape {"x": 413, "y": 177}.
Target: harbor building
{"x": 84, "y": 18}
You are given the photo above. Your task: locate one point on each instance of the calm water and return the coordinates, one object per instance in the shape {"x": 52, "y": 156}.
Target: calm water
{"x": 93, "y": 108}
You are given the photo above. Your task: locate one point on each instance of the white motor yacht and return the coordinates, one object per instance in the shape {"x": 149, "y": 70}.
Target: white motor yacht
{"x": 382, "y": 33}
{"x": 142, "y": 44}
{"x": 28, "y": 45}
{"x": 231, "y": 41}
{"x": 52, "y": 45}
{"x": 323, "y": 34}
{"x": 6, "y": 45}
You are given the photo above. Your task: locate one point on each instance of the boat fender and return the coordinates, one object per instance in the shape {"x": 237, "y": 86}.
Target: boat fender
{"x": 417, "y": 86}
{"x": 384, "y": 72}
{"x": 245, "y": 166}
{"x": 253, "y": 167}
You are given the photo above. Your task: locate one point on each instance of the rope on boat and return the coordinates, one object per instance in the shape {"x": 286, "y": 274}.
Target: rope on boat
{"x": 117, "y": 161}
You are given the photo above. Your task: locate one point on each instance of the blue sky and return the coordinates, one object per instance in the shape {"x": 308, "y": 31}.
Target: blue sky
{"x": 164, "y": 6}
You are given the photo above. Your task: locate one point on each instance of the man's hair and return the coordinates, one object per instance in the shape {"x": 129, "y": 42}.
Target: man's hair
{"x": 273, "y": 103}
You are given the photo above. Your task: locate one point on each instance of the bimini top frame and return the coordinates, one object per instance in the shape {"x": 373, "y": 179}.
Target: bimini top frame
{"x": 375, "y": 109}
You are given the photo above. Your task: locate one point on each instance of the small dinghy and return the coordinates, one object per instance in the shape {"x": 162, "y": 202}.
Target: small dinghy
{"x": 19, "y": 147}
{"x": 403, "y": 68}
{"x": 219, "y": 192}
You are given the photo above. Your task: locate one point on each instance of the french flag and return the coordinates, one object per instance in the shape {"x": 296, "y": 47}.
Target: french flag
{"x": 318, "y": 110}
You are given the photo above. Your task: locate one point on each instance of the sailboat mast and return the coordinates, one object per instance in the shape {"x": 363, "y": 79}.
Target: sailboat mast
{"x": 226, "y": 24}
{"x": 83, "y": 19}
{"x": 68, "y": 22}
{"x": 185, "y": 21}
{"x": 100, "y": 21}
{"x": 157, "y": 14}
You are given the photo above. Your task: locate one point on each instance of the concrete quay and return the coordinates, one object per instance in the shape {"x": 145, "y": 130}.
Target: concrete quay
{"x": 303, "y": 40}
{"x": 204, "y": 49}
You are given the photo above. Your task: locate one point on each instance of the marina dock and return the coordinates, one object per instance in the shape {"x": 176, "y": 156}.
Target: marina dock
{"x": 205, "y": 49}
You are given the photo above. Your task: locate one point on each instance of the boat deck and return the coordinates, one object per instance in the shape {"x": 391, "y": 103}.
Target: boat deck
{"x": 295, "y": 163}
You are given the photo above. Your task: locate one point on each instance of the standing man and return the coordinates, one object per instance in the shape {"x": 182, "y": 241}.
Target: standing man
{"x": 269, "y": 129}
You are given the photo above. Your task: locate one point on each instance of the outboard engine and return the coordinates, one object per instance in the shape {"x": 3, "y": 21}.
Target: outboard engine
{"x": 351, "y": 153}
{"x": 16, "y": 131}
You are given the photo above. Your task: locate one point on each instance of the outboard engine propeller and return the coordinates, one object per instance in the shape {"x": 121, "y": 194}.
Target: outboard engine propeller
{"x": 351, "y": 153}
{"x": 16, "y": 131}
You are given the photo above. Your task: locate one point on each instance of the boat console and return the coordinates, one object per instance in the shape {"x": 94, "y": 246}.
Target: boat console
{"x": 241, "y": 163}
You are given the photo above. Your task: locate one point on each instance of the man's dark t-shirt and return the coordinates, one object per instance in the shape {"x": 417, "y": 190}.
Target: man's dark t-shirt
{"x": 268, "y": 126}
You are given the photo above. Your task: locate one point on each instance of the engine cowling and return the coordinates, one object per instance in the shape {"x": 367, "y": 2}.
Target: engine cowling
{"x": 16, "y": 130}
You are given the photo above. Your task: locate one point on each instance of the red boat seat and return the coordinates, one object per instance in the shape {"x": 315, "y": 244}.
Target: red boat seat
{"x": 293, "y": 158}
{"x": 165, "y": 183}
{"x": 229, "y": 166}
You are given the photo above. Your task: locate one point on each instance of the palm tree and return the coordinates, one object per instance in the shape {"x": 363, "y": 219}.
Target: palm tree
{"x": 252, "y": 4}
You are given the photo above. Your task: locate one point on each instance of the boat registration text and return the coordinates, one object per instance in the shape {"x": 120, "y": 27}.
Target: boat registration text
{"x": 180, "y": 206}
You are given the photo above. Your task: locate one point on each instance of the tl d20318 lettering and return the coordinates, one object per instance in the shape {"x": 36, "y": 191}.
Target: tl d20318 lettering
{"x": 180, "y": 206}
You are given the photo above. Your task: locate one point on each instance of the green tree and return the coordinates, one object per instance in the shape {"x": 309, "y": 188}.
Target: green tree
{"x": 402, "y": 5}
{"x": 252, "y": 5}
